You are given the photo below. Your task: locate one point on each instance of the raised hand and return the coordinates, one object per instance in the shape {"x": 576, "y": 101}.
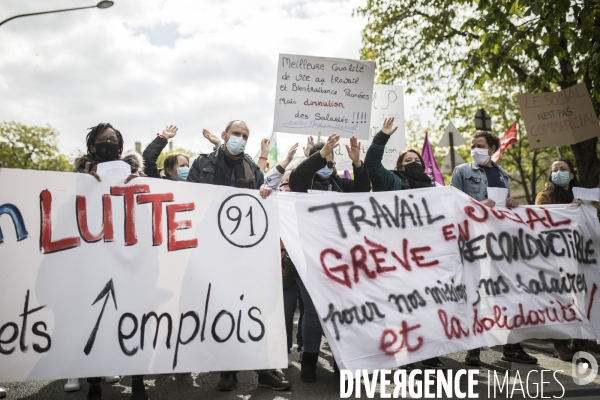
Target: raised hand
{"x": 388, "y": 126}
{"x": 289, "y": 157}
{"x": 309, "y": 145}
{"x": 170, "y": 131}
{"x": 211, "y": 138}
{"x": 265, "y": 144}
{"x": 291, "y": 153}
{"x": 354, "y": 151}
{"x": 332, "y": 141}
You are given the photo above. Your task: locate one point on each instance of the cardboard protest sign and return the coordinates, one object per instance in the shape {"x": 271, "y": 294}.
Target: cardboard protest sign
{"x": 153, "y": 276}
{"x": 317, "y": 95}
{"x": 402, "y": 276}
{"x": 388, "y": 101}
{"x": 561, "y": 118}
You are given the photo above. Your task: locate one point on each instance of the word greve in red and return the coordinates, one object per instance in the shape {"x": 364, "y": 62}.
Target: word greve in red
{"x": 374, "y": 259}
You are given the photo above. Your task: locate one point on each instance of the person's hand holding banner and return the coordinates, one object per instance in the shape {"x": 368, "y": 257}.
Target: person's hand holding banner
{"x": 354, "y": 151}
{"x": 387, "y": 126}
{"x": 489, "y": 203}
{"x": 265, "y": 191}
{"x": 512, "y": 203}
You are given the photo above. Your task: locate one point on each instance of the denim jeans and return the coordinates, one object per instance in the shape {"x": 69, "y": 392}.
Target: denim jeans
{"x": 290, "y": 302}
{"x": 311, "y": 327}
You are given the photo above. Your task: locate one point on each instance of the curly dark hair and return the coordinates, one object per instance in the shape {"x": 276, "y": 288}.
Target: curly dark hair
{"x": 555, "y": 193}
{"x": 491, "y": 139}
{"x": 94, "y": 131}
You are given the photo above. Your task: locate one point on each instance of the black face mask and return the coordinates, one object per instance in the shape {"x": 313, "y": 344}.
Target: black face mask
{"x": 414, "y": 168}
{"x": 107, "y": 151}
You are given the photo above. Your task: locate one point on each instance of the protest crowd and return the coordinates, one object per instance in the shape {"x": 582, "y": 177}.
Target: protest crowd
{"x": 229, "y": 165}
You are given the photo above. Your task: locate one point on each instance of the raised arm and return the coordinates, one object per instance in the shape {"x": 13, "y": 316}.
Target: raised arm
{"x": 274, "y": 176}
{"x": 152, "y": 152}
{"x": 265, "y": 144}
{"x": 381, "y": 178}
{"x": 303, "y": 174}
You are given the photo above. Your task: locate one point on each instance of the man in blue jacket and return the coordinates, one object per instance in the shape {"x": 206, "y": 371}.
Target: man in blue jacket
{"x": 474, "y": 179}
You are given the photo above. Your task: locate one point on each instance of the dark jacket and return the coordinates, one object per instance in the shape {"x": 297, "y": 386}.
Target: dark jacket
{"x": 203, "y": 170}
{"x": 151, "y": 154}
{"x": 84, "y": 163}
{"x": 381, "y": 178}
{"x": 303, "y": 178}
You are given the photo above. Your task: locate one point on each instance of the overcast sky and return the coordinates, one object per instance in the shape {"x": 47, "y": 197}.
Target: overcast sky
{"x": 141, "y": 65}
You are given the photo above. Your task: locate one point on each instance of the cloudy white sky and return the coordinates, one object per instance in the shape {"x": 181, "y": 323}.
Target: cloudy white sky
{"x": 141, "y": 65}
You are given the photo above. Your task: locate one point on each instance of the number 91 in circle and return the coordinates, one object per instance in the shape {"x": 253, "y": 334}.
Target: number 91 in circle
{"x": 243, "y": 220}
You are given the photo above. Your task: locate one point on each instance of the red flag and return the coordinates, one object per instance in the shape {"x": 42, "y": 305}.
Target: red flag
{"x": 508, "y": 139}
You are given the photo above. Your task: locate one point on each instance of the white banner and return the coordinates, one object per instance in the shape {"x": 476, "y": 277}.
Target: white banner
{"x": 320, "y": 96}
{"x": 153, "y": 276}
{"x": 388, "y": 101}
{"x": 403, "y": 276}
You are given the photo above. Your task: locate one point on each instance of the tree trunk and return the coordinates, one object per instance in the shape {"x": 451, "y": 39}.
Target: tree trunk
{"x": 587, "y": 160}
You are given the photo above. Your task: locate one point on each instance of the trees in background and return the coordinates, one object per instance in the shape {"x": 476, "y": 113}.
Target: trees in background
{"x": 31, "y": 147}
{"x": 457, "y": 51}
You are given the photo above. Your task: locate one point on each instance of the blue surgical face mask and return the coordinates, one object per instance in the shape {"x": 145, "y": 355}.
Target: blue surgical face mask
{"x": 236, "y": 145}
{"x": 182, "y": 173}
{"x": 324, "y": 173}
{"x": 561, "y": 178}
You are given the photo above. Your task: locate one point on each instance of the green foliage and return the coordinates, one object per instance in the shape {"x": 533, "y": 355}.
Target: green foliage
{"x": 455, "y": 50}
{"x": 31, "y": 147}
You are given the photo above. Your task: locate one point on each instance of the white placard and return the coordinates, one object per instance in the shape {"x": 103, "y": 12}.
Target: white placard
{"x": 96, "y": 264}
{"x": 113, "y": 168}
{"x": 402, "y": 276}
{"x": 320, "y": 96}
{"x": 498, "y": 195}
{"x": 388, "y": 101}
{"x": 586, "y": 194}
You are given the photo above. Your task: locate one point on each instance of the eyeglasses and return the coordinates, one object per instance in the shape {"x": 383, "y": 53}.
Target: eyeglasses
{"x": 330, "y": 164}
{"x": 102, "y": 139}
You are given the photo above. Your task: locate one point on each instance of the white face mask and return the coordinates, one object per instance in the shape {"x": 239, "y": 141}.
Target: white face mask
{"x": 236, "y": 145}
{"x": 480, "y": 156}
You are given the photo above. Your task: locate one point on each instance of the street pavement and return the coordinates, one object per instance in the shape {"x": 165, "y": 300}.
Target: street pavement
{"x": 203, "y": 385}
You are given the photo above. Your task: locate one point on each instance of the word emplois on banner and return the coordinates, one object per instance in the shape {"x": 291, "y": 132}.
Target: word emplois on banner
{"x": 402, "y": 276}
{"x": 317, "y": 95}
{"x": 559, "y": 118}
{"x": 388, "y": 102}
{"x": 149, "y": 277}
